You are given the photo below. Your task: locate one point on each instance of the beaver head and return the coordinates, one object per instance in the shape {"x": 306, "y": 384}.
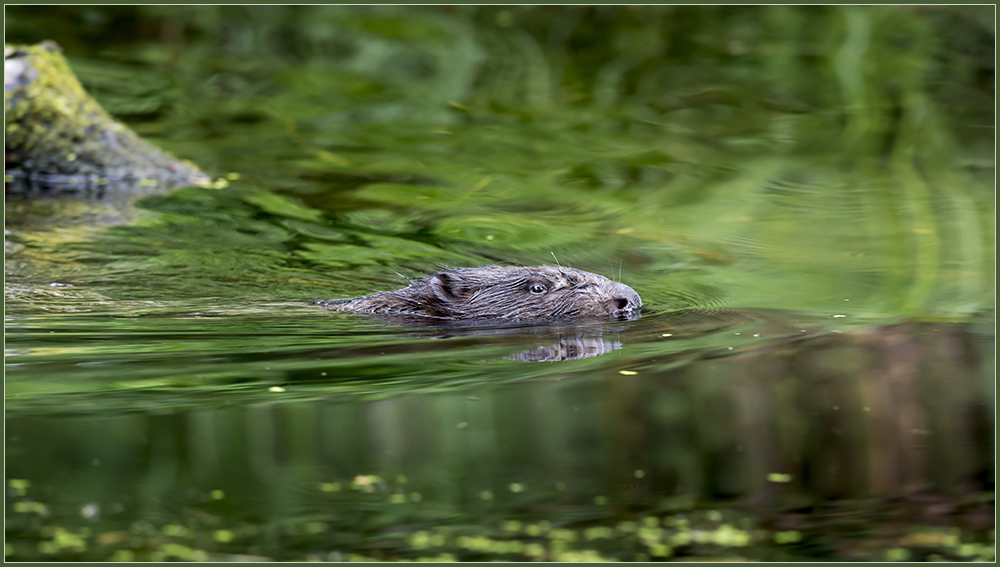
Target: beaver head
{"x": 503, "y": 292}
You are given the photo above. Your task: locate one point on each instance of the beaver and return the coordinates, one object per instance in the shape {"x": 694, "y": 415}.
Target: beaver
{"x": 504, "y": 293}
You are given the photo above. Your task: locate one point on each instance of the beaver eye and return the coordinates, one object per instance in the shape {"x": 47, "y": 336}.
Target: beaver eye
{"x": 536, "y": 288}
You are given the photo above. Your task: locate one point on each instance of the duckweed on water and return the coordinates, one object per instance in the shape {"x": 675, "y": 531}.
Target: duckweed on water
{"x": 198, "y": 534}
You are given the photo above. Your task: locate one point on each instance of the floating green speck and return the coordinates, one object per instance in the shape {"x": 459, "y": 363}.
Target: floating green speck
{"x": 787, "y": 537}
{"x": 897, "y": 554}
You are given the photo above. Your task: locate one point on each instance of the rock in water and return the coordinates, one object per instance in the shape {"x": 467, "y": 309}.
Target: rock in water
{"x": 59, "y": 139}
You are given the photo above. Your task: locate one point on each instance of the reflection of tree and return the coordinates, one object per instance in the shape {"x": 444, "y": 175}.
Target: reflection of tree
{"x": 887, "y": 411}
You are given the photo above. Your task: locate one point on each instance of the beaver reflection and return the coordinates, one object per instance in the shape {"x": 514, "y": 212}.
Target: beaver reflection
{"x": 502, "y": 293}
{"x": 569, "y": 348}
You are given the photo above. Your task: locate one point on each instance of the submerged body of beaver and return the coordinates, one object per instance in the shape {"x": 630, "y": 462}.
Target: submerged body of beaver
{"x": 503, "y": 293}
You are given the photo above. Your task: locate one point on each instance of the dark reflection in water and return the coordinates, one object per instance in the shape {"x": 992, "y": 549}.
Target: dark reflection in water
{"x": 568, "y": 341}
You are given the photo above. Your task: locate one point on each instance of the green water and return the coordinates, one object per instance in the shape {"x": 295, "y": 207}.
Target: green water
{"x": 807, "y": 215}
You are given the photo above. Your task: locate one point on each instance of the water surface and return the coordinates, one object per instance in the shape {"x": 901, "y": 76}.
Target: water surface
{"x": 813, "y": 376}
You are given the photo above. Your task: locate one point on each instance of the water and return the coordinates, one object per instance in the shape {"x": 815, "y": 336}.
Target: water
{"x": 813, "y": 376}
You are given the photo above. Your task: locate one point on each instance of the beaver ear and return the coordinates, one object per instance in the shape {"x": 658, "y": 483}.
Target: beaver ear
{"x": 449, "y": 287}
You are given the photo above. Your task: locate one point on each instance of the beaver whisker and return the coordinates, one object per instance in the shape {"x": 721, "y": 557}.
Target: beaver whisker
{"x": 404, "y": 277}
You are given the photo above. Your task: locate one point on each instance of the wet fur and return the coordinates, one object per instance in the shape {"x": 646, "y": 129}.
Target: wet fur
{"x": 502, "y": 292}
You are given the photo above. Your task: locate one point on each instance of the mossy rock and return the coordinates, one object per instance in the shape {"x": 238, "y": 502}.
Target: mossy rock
{"x": 59, "y": 139}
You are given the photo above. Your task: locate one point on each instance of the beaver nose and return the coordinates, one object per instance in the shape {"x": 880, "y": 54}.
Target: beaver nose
{"x": 624, "y": 298}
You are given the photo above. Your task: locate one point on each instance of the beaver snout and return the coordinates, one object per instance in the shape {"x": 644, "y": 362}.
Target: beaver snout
{"x": 624, "y": 300}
